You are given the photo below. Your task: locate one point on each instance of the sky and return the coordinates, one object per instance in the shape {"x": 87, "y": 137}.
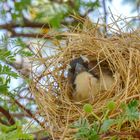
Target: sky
{"x": 117, "y": 8}
{"x": 122, "y": 9}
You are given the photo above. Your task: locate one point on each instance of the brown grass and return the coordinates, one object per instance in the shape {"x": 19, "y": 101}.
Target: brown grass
{"x": 121, "y": 52}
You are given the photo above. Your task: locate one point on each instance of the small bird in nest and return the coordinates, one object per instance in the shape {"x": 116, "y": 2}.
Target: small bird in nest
{"x": 86, "y": 80}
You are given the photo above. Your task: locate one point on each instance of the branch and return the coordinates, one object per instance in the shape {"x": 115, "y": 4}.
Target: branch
{"x": 43, "y": 36}
{"x": 28, "y": 112}
{"x": 3, "y": 122}
{"x": 25, "y": 24}
{"x": 18, "y": 115}
{"x": 10, "y": 27}
{"x": 7, "y": 115}
{"x": 26, "y": 98}
{"x": 105, "y": 15}
{"x": 37, "y": 135}
{"x": 45, "y": 138}
{"x": 29, "y": 24}
{"x": 135, "y": 134}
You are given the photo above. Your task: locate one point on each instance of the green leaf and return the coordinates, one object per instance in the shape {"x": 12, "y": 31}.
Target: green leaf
{"x": 133, "y": 104}
{"x": 6, "y": 70}
{"x": 5, "y": 77}
{"x": 6, "y": 56}
{"x": 131, "y": 111}
{"x": 91, "y": 4}
{"x": 93, "y": 135}
{"x": 4, "y": 40}
{"x": 107, "y": 124}
{"x": 3, "y": 86}
{"x": 25, "y": 53}
{"x": 13, "y": 132}
{"x": 85, "y": 131}
{"x": 21, "y": 5}
{"x": 81, "y": 123}
{"x": 19, "y": 42}
{"x": 56, "y": 20}
{"x": 6, "y": 129}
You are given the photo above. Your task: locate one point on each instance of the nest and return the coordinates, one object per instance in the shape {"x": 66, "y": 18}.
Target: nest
{"x": 52, "y": 90}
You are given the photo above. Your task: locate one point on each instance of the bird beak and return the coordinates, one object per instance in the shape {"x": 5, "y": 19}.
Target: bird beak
{"x": 79, "y": 68}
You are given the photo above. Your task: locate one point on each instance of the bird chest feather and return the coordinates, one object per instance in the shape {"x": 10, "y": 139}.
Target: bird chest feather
{"x": 86, "y": 86}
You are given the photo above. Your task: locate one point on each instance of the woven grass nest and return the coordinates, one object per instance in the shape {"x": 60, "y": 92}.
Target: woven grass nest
{"x": 52, "y": 90}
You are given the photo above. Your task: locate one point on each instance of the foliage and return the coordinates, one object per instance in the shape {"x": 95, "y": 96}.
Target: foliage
{"x": 55, "y": 11}
{"x": 93, "y": 130}
{"x": 85, "y": 130}
{"x": 4, "y": 81}
{"x": 13, "y": 132}
{"x": 7, "y": 57}
{"x": 5, "y": 71}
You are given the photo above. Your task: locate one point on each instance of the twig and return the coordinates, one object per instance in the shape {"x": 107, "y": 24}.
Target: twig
{"x": 135, "y": 134}
{"x": 105, "y": 15}
{"x": 28, "y": 112}
{"x": 7, "y": 115}
{"x": 43, "y": 36}
{"x": 25, "y": 24}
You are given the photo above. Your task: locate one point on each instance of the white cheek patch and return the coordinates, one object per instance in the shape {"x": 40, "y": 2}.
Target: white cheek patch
{"x": 85, "y": 59}
{"x": 86, "y": 86}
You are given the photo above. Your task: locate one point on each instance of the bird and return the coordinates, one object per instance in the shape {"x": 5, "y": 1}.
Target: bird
{"x": 86, "y": 81}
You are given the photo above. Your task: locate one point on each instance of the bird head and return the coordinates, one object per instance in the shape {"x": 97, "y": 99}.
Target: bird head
{"x": 77, "y": 66}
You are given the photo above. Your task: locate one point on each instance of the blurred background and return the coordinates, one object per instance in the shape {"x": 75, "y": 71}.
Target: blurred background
{"x": 27, "y": 24}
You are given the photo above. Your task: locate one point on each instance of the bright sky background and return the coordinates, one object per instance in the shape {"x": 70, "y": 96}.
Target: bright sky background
{"x": 117, "y": 8}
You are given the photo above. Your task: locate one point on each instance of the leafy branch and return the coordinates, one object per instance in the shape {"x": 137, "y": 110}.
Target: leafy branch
{"x": 101, "y": 128}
